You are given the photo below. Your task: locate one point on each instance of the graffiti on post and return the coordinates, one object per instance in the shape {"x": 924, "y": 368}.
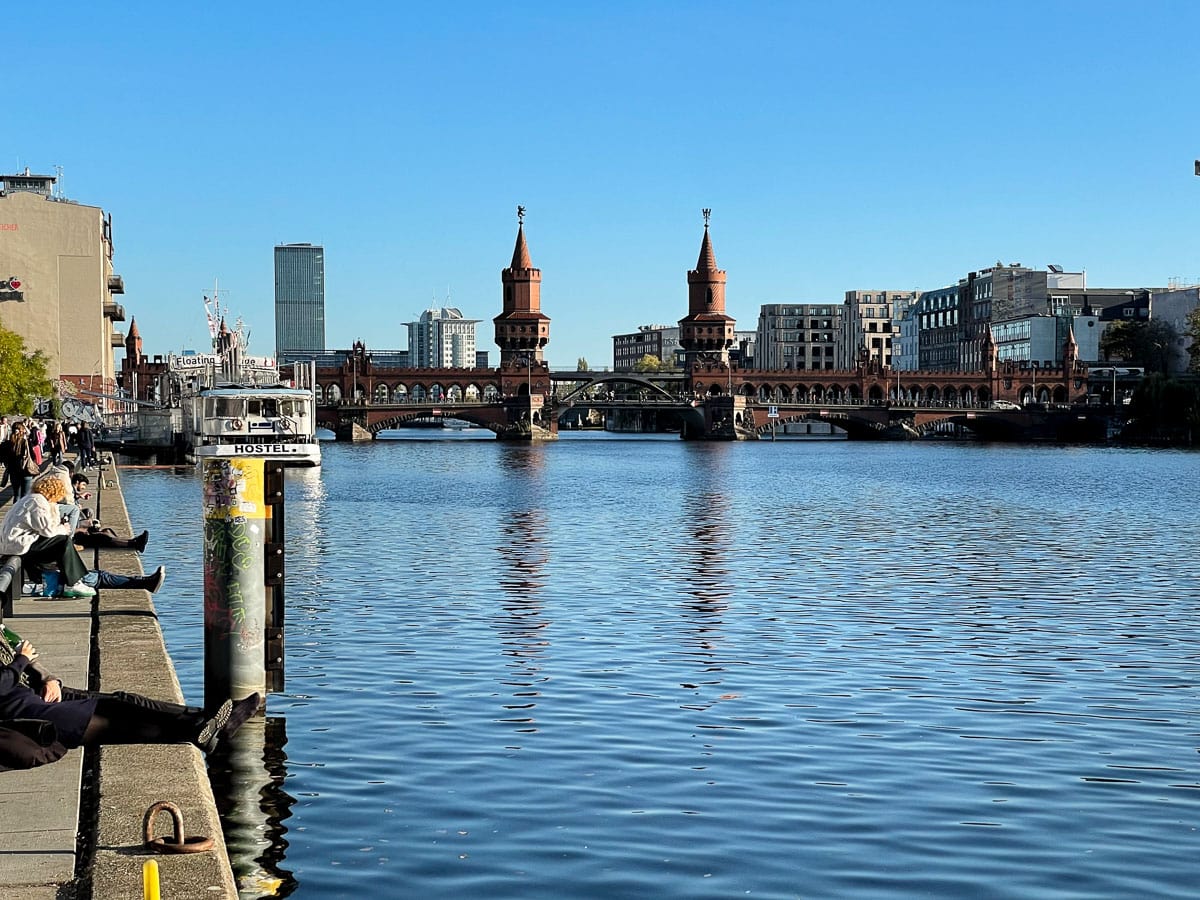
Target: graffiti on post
{"x": 233, "y": 541}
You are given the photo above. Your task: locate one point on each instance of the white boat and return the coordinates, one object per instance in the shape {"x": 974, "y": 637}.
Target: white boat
{"x": 272, "y": 422}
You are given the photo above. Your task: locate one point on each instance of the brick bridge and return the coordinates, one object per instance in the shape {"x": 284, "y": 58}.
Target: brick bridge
{"x": 526, "y": 401}
{"x": 522, "y": 399}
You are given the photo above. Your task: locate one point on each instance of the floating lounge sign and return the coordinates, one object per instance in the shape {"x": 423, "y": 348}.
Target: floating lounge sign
{"x": 10, "y": 289}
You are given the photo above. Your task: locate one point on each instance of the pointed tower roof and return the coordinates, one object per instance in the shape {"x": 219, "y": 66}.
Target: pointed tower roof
{"x": 708, "y": 260}
{"x": 521, "y": 258}
{"x": 133, "y": 329}
{"x": 1071, "y": 335}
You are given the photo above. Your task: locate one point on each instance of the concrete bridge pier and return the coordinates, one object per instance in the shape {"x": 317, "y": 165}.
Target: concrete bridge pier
{"x": 528, "y": 418}
{"x": 719, "y": 418}
{"x": 352, "y": 431}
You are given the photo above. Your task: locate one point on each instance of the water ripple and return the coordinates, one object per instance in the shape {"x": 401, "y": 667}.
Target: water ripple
{"x": 616, "y": 668}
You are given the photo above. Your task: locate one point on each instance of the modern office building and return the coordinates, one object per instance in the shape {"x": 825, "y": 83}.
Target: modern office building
{"x": 1036, "y": 342}
{"x": 869, "y": 320}
{"x": 659, "y": 341}
{"x": 1009, "y": 299}
{"x": 797, "y": 336}
{"x": 299, "y": 301}
{"x": 57, "y": 283}
{"x": 442, "y": 339}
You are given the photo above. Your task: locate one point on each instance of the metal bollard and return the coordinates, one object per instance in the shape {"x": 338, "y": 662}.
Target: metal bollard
{"x": 234, "y": 592}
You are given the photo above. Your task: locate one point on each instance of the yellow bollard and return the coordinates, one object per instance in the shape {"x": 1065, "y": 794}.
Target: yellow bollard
{"x": 150, "y": 880}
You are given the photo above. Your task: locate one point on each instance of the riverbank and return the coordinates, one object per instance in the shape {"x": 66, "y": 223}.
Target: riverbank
{"x": 73, "y": 829}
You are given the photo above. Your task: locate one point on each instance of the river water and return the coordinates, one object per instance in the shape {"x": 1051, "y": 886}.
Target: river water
{"x": 606, "y": 668}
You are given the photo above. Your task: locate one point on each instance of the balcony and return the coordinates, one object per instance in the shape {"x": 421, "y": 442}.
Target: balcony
{"x": 116, "y": 284}
{"x": 117, "y": 340}
{"x": 114, "y": 311}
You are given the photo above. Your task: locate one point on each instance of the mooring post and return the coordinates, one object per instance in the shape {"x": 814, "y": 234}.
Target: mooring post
{"x": 273, "y": 574}
{"x": 234, "y": 590}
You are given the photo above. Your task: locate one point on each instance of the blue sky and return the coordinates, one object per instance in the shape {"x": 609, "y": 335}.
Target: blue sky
{"x": 840, "y": 146}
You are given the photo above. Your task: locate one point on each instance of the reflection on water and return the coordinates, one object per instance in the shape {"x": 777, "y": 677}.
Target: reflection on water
{"x": 646, "y": 668}
{"x": 521, "y": 622}
{"x": 248, "y": 775}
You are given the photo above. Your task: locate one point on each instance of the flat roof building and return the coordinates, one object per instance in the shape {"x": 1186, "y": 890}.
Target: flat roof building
{"x": 299, "y": 301}
{"x": 58, "y": 287}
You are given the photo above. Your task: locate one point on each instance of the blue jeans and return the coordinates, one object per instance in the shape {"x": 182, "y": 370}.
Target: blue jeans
{"x": 21, "y": 485}
{"x": 71, "y": 511}
{"x": 99, "y": 578}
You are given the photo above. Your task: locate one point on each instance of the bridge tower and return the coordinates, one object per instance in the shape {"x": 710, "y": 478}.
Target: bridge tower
{"x": 522, "y": 330}
{"x": 1070, "y": 363}
{"x": 706, "y": 332}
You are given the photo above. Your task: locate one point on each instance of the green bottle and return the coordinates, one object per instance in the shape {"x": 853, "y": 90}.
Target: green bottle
{"x": 11, "y": 636}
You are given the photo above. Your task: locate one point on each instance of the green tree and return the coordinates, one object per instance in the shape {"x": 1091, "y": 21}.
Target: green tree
{"x": 22, "y": 375}
{"x": 581, "y": 365}
{"x": 1146, "y": 344}
{"x": 1165, "y": 410}
{"x": 648, "y": 363}
{"x": 1192, "y": 330}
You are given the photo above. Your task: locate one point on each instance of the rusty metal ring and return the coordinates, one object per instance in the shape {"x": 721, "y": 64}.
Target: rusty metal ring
{"x": 177, "y": 843}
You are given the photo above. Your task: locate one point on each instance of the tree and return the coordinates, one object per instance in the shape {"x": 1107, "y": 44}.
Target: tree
{"x": 22, "y": 375}
{"x": 1192, "y": 330}
{"x": 648, "y": 363}
{"x": 1165, "y": 410}
{"x": 581, "y": 365}
{"x": 1146, "y": 344}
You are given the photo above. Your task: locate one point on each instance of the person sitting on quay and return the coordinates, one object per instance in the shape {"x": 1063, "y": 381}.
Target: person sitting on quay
{"x": 34, "y": 530}
{"x": 18, "y": 460}
{"x": 67, "y": 506}
{"x": 94, "y": 537}
{"x": 40, "y": 719}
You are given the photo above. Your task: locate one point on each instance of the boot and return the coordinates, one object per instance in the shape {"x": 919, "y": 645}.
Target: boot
{"x": 139, "y": 543}
{"x": 153, "y": 581}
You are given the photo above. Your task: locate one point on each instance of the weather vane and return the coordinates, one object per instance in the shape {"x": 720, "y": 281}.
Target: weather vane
{"x": 520, "y": 215}
{"x": 707, "y": 213}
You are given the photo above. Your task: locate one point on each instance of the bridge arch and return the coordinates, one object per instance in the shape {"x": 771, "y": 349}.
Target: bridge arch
{"x": 614, "y": 378}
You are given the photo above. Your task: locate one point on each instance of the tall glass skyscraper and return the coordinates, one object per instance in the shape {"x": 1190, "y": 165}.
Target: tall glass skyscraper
{"x": 299, "y": 301}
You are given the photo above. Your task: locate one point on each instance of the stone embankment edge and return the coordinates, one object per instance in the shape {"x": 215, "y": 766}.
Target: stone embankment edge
{"x": 133, "y": 657}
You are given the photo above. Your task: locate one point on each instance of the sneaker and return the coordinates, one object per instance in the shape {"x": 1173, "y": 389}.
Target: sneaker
{"x": 206, "y": 739}
{"x": 155, "y": 581}
{"x": 139, "y": 542}
{"x": 78, "y": 589}
{"x": 242, "y": 710}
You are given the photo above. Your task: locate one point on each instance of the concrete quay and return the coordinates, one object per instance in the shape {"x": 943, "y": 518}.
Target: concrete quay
{"x": 72, "y": 830}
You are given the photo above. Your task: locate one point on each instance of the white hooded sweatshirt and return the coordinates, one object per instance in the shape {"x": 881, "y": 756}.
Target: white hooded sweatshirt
{"x": 31, "y": 517}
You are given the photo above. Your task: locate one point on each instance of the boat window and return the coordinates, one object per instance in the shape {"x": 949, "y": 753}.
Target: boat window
{"x": 227, "y": 407}
{"x": 254, "y": 406}
{"x": 285, "y": 408}
{"x": 270, "y": 407}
